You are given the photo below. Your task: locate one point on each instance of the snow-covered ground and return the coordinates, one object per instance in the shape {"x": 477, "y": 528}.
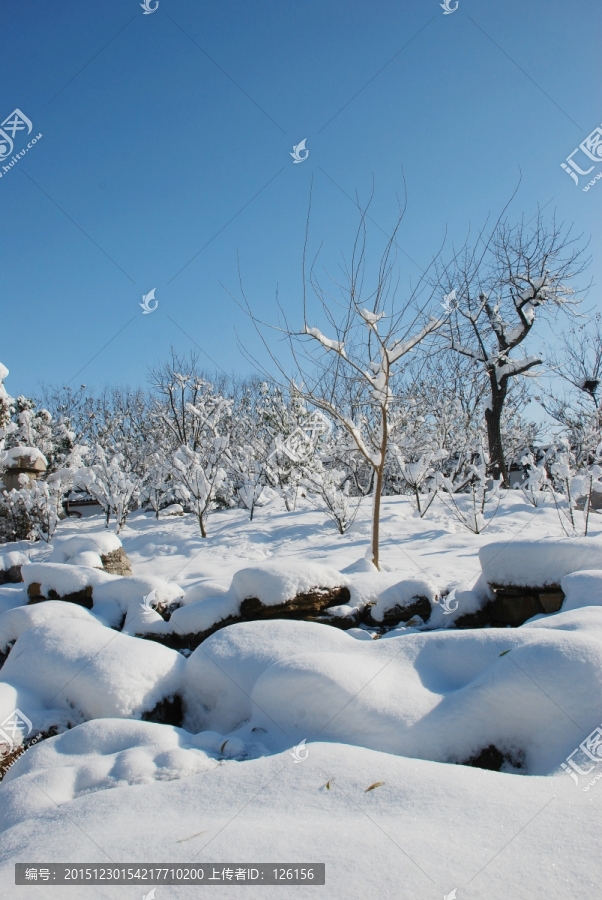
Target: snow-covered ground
{"x": 395, "y": 712}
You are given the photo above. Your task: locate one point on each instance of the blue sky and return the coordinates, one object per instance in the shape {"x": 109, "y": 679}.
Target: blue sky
{"x": 169, "y": 134}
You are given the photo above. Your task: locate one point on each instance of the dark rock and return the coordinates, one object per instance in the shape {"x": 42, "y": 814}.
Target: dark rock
{"x": 478, "y": 619}
{"x": 300, "y": 607}
{"x": 551, "y": 599}
{"x": 493, "y": 759}
{"x": 513, "y": 605}
{"x": 82, "y": 598}
{"x": 167, "y": 712}
{"x": 420, "y": 606}
{"x": 11, "y": 575}
{"x": 117, "y": 562}
{"x": 308, "y": 607}
{"x": 343, "y": 622}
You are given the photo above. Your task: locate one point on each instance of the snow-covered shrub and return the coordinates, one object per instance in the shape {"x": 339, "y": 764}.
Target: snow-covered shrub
{"x": 330, "y": 490}
{"x": 197, "y": 476}
{"x": 158, "y": 489}
{"x": 470, "y": 505}
{"x": 15, "y": 520}
{"x": 112, "y": 483}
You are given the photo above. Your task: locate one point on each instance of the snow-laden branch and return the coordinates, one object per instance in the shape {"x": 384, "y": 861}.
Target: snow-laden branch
{"x": 516, "y": 367}
{"x": 337, "y": 346}
{"x": 399, "y": 348}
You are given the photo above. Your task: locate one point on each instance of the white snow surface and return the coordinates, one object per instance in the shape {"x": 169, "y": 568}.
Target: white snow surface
{"x": 11, "y": 596}
{"x": 395, "y": 711}
{"x": 15, "y": 621}
{"x": 582, "y": 589}
{"x": 14, "y": 558}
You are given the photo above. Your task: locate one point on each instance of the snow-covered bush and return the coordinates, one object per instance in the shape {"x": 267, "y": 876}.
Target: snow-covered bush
{"x": 112, "y": 483}
{"x": 331, "y": 489}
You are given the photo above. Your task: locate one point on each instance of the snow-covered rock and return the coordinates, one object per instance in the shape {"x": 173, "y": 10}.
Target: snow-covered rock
{"x": 11, "y": 559}
{"x": 99, "y": 549}
{"x": 274, "y": 583}
{"x": 10, "y": 566}
{"x": 55, "y": 580}
{"x": 14, "y": 622}
{"x": 93, "y": 670}
{"x": 401, "y": 601}
{"x": 174, "y": 509}
{"x": 538, "y": 563}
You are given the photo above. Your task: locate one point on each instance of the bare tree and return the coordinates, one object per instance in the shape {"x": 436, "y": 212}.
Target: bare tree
{"x": 373, "y": 333}
{"x": 178, "y": 386}
{"x": 497, "y": 289}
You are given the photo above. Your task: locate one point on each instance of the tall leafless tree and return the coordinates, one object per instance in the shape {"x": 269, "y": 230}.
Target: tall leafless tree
{"x": 498, "y": 288}
{"x": 371, "y": 335}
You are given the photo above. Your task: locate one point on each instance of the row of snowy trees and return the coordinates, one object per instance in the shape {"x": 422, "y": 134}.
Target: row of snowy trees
{"x": 426, "y": 396}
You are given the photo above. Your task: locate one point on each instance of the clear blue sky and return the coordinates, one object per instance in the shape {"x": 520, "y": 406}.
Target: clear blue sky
{"x": 158, "y": 129}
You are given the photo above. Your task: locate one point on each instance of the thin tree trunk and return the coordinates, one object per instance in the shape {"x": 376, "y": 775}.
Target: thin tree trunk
{"x": 493, "y": 419}
{"x": 378, "y": 488}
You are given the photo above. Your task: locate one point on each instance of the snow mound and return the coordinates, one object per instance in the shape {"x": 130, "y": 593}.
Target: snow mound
{"x": 220, "y": 674}
{"x": 15, "y": 697}
{"x": 444, "y": 696}
{"x": 401, "y": 594}
{"x": 112, "y": 599}
{"x": 174, "y": 509}
{"x": 460, "y": 601}
{"x": 13, "y": 558}
{"x": 582, "y": 589}
{"x": 366, "y": 583}
{"x": 276, "y": 582}
{"x": 63, "y": 579}
{"x": 200, "y": 616}
{"x": 101, "y": 755}
{"x": 85, "y": 549}
{"x": 203, "y": 590}
{"x": 98, "y": 672}
{"x": 14, "y": 622}
{"x": 538, "y": 563}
